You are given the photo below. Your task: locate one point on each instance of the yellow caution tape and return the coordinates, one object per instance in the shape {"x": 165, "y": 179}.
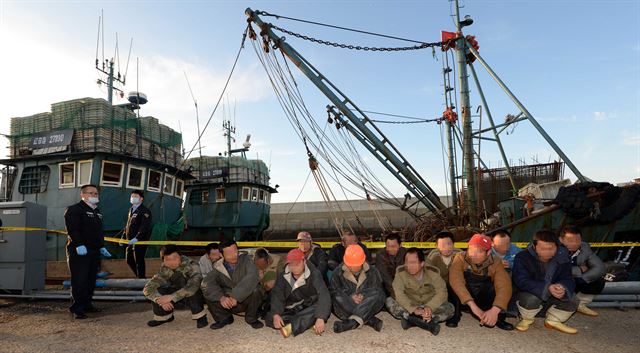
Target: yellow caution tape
{"x": 291, "y": 244}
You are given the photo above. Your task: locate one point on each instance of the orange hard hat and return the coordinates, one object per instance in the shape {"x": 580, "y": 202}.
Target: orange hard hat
{"x": 354, "y": 255}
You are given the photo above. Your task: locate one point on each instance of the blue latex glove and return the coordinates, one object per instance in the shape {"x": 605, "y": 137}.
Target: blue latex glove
{"x": 104, "y": 252}
{"x": 133, "y": 241}
{"x": 81, "y": 250}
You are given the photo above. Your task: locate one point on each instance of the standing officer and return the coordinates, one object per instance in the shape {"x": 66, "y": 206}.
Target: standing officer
{"x": 85, "y": 243}
{"x": 138, "y": 229}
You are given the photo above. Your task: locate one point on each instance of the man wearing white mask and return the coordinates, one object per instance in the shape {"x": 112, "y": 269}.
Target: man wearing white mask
{"x": 85, "y": 244}
{"x": 138, "y": 229}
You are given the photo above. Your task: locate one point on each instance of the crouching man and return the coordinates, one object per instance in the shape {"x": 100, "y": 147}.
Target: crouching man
{"x": 542, "y": 277}
{"x": 233, "y": 287}
{"x": 481, "y": 282}
{"x": 178, "y": 279}
{"x": 357, "y": 293}
{"x": 421, "y": 293}
{"x": 587, "y": 269}
{"x": 300, "y": 298}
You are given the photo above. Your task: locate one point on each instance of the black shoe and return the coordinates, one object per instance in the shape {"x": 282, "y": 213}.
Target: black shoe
{"x": 257, "y": 324}
{"x": 452, "y": 322}
{"x": 80, "y": 316}
{"x": 345, "y": 325}
{"x": 221, "y": 324}
{"x": 154, "y": 323}
{"x": 406, "y": 324}
{"x": 504, "y": 325}
{"x": 92, "y": 309}
{"x": 430, "y": 326}
{"x": 375, "y": 323}
{"x": 202, "y": 322}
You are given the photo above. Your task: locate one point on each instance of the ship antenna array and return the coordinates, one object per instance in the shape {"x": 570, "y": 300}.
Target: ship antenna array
{"x": 108, "y": 66}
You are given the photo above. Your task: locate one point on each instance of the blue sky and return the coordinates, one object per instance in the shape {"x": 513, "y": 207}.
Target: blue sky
{"x": 574, "y": 64}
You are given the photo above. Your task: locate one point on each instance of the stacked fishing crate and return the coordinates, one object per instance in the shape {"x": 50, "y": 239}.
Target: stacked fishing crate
{"x": 100, "y": 127}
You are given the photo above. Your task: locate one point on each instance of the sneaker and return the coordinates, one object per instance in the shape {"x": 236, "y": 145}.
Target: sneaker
{"x": 154, "y": 323}
{"x": 221, "y": 324}
{"x": 202, "y": 322}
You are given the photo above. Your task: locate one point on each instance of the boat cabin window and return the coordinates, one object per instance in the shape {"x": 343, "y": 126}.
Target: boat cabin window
{"x": 205, "y": 196}
{"x": 268, "y": 197}
{"x": 84, "y": 172}
{"x": 221, "y": 195}
{"x": 246, "y": 193}
{"x": 179, "y": 188}
{"x": 67, "y": 177}
{"x": 254, "y": 194}
{"x": 168, "y": 184}
{"x": 262, "y": 197}
{"x": 135, "y": 179}
{"x": 34, "y": 179}
{"x": 155, "y": 178}
{"x": 111, "y": 173}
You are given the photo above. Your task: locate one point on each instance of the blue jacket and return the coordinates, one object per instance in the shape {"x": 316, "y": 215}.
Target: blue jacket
{"x": 529, "y": 273}
{"x": 509, "y": 256}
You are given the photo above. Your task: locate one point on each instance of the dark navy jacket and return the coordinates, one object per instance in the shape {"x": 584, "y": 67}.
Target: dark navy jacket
{"x": 529, "y": 273}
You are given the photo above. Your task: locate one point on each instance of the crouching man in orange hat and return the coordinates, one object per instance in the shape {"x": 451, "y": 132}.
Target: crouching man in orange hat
{"x": 357, "y": 292}
{"x": 300, "y": 298}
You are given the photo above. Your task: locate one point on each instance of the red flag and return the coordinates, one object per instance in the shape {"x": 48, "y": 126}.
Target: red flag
{"x": 448, "y": 40}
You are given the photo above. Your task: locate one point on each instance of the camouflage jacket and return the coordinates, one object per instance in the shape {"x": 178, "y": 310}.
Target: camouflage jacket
{"x": 189, "y": 270}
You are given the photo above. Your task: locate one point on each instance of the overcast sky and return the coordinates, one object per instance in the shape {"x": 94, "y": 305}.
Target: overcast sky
{"x": 574, "y": 64}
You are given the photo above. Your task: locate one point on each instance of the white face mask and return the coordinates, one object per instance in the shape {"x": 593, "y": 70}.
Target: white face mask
{"x": 93, "y": 200}
{"x": 135, "y": 200}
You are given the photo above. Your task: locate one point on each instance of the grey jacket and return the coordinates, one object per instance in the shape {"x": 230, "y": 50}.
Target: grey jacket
{"x": 239, "y": 285}
{"x": 586, "y": 257}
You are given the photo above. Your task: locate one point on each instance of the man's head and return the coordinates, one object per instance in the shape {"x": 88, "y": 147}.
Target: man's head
{"x": 414, "y": 261}
{"x": 501, "y": 241}
{"x": 348, "y": 238}
{"x": 137, "y": 197}
{"x": 392, "y": 244}
{"x": 296, "y": 261}
{"x": 479, "y": 248}
{"x": 261, "y": 259}
{"x": 170, "y": 256}
{"x": 545, "y": 243}
{"x": 213, "y": 252}
{"x": 304, "y": 241}
{"x": 444, "y": 243}
{"x": 89, "y": 193}
{"x": 229, "y": 250}
{"x": 571, "y": 237}
{"x": 354, "y": 257}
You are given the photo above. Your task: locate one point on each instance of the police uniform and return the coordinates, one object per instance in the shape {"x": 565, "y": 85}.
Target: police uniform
{"x": 183, "y": 283}
{"x": 138, "y": 226}
{"x": 84, "y": 228}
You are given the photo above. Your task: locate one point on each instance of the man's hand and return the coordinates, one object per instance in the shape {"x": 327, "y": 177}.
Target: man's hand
{"x": 476, "y": 310}
{"x": 233, "y": 301}
{"x": 167, "y": 306}
{"x": 226, "y": 302}
{"x": 357, "y": 298}
{"x": 278, "y": 323}
{"x": 557, "y": 290}
{"x": 319, "y": 326}
{"x": 165, "y": 299}
{"x": 418, "y": 312}
{"x": 426, "y": 315}
{"x": 490, "y": 317}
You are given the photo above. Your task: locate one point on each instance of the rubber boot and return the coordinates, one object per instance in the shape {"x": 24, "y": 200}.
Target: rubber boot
{"x": 527, "y": 317}
{"x": 586, "y": 299}
{"x": 556, "y": 318}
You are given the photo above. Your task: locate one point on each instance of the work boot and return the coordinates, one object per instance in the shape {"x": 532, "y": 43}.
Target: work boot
{"x": 585, "y": 310}
{"x": 345, "y": 325}
{"x": 503, "y": 324}
{"x": 430, "y": 326}
{"x": 586, "y": 299}
{"x": 406, "y": 324}
{"x": 154, "y": 323}
{"x": 375, "y": 323}
{"x": 527, "y": 317}
{"x": 453, "y": 322}
{"x": 256, "y": 324}
{"x": 286, "y": 330}
{"x": 555, "y": 320}
{"x": 202, "y": 322}
{"x": 221, "y": 324}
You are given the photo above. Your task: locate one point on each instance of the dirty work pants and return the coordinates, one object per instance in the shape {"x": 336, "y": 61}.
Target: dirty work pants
{"x": 194, "y": 302}
{"x": 301, "y": 318}
{"x": 345, "y": 308}
{"x": 249, "y": 306}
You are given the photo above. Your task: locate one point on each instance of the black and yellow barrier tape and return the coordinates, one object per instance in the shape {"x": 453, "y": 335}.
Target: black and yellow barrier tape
{"x": 288, "y": 244}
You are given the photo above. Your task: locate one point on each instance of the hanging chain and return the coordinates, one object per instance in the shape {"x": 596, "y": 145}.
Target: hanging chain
{"x": 356, "y": 47}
